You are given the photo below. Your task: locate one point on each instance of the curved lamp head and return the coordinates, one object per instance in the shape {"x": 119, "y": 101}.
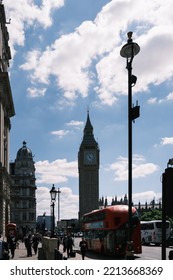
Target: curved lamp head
{"x": 53, "y": 193}
{"x": 130, "y": 49}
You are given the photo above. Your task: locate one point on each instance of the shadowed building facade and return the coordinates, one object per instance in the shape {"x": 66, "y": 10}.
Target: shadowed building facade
{"x": 88, "y": 166}
{"x": 23, "y": 191}
{"x": 6, "y": 112}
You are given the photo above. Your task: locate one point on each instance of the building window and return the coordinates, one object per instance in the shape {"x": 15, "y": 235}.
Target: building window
{"x": 24, "y": 204}
{"x": 24, "y": 191}
{"x": 24, "y": 217}
{"x": 17, "y": 204}
{"x": 16, "y": 217}
{"x": 31, "y": 192}
{"x": 31, "y": 216}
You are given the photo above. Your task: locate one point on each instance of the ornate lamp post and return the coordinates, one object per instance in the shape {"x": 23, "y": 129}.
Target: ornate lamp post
{"x": 128, "y": 51}
{"x": 58, "y": 192}
{"x": 44, "y": 222}
{"x": 53, "y": 193}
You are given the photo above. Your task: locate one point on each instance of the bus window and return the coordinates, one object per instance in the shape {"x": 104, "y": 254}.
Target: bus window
{"x": 159, "y": 225}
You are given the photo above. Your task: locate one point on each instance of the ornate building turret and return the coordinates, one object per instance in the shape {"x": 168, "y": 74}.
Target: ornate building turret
{"x": 88, "y": 166}
{"x": 23, "y": 199}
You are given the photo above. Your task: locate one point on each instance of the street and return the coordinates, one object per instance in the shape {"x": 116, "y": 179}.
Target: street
{"x": 148, "y": 253}
{"x": 153, "y": 252}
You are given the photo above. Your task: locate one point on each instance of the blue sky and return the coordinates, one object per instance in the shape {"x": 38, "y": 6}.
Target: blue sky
{"x": 66, "y": 59}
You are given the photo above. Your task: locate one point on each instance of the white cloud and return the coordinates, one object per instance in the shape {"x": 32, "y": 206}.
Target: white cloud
{"x": 56, "y": 171}
{"x": 147, "y": 196}
{"x": 154, "y": 100}
{"x": 170, "y": 96}
{"x": 26, "y": 14}
{"x": 98, "y": 41}
{"x": 140, "y": 168}
{"x": 167, "y": 141}
{"x": 67, "y": 210}
{"x": 76, "y": 124}
{"x": 36, "y": 92}
{"x": 60, "y": 133}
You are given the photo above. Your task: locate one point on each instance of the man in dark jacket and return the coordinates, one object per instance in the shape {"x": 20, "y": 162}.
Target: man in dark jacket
{"x": 83, "y": 247}
{"x": 69, "y": 246}
{"x": 12, "y": 244}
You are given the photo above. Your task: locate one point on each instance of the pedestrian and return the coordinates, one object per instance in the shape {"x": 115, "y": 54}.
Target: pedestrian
{"x": 58, "y": 243}
{"x": 4, "y": 252}
{"x": 12, "y": 244}
{"x": 83, "y": 247}
{"x": 64, "y": 244}
{"x": 35, "y": 243}
{"x": 69, "y": 246}
{"x": 28, "y": 243}
{"x": 25, "y": 241}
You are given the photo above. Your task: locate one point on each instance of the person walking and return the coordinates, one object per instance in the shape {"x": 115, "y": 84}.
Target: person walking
{"x": 83, "y": 247}
{"x": 69, "y": 246}
{"x": 4, "y": 252}
{"x": 35, "y": 243}
{"x": 64, "y": 244}
{"x": 29, "y": 245}
{"x": 58, "y": 243}
{"x": 12, "y": 244}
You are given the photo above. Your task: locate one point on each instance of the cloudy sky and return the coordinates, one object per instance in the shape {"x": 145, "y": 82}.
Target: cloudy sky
{"x": 66, "y": 60}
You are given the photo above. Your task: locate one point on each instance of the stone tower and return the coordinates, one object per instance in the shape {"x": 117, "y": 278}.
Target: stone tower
{"x": 88, "y": 166}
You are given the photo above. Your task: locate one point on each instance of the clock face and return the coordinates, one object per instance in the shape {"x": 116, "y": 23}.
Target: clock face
{"x": 90, "y": 157}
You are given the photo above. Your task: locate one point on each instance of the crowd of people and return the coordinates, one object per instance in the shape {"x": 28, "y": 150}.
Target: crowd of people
{"x": 31, "y": 242}
{"x": 9, "y": 245}
{"x": 68, "y": 246}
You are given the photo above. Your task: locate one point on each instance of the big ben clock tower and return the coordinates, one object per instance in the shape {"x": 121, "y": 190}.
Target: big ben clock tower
{"x": 88, "y": 165}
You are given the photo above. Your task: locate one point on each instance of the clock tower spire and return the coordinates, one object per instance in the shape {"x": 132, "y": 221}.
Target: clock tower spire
{"x": 88, "y": 166}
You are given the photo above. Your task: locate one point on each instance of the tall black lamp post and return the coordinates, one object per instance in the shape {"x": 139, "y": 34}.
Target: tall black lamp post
{"x": 58, "y": 192}
{"x": 128, "y": 51}
{"x": 53, "y": 193}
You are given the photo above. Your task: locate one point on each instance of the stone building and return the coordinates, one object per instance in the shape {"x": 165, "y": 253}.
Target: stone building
{"x": 6, "y": 112}
{"x": 23, "y": 191}
{"x": 141, "y": 207}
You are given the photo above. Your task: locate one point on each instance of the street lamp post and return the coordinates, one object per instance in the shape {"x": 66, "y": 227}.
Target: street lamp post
{"x": 44, "y": 222}
{"x": 128, "y": 51}
{"x": 53, "y": 193}
{"x": 58, "y": 191}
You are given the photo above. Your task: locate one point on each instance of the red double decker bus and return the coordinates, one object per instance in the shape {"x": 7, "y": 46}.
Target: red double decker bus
{"x": 106, "y": 230}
